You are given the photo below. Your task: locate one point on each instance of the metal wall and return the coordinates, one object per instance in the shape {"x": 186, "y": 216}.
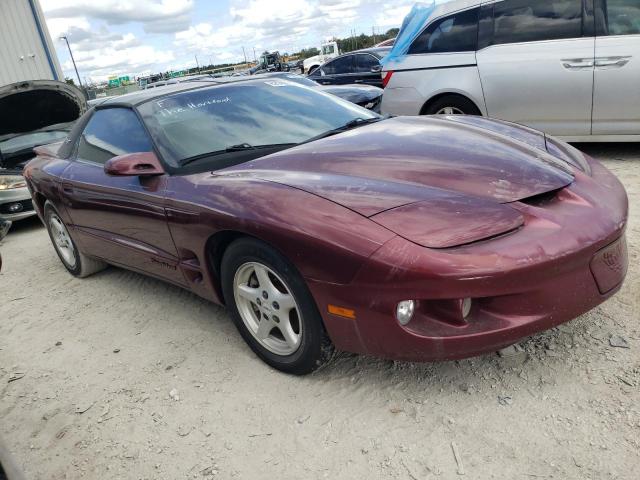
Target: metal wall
{"x": 26, "y": 49}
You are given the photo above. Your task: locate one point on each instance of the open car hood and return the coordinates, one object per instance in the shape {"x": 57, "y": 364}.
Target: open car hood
{"x": 416, "y": 175}
{"x": 36, "y": 105}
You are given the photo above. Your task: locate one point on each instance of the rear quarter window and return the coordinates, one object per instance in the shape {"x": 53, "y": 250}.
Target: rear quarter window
{"x": 455, "y": 33}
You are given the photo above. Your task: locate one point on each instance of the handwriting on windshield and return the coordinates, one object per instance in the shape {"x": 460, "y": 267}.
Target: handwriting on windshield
{"x": 170, "y": 111}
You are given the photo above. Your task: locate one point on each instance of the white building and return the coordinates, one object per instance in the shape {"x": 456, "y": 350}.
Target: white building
{"x": 26, "y": 49}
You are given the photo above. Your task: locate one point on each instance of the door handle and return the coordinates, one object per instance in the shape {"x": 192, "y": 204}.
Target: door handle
{"x": 577, "y": 63}
{"x": 358, "y": 81}
{"x": 612, "y": 62}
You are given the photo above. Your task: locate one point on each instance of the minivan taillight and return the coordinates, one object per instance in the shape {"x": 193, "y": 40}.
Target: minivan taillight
{"x": 385, "y": 79}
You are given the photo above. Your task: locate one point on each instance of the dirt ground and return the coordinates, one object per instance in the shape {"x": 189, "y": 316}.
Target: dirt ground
{"x": 123, "y": 377}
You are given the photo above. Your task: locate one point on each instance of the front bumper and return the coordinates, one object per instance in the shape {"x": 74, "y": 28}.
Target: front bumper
{"x": 569, "y": 257}
{"x": 21, "y": 198}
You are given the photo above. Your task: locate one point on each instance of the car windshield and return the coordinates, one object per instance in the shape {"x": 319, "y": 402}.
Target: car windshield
{"x": 191, "y": 124}
{"x": 30, "y": 140}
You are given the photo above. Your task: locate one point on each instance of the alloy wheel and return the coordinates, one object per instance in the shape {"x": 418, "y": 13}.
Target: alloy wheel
{"x": 62, "y": 240}
{"x": 450, "y": 111}
{"x": 267, "y": 308}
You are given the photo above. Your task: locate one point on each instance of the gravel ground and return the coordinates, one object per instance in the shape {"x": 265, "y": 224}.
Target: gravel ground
{"x": 122, "y": 376}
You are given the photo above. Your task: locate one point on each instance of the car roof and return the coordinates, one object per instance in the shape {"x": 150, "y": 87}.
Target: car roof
{"x": 377, "y": 51}
{"x": 139, "y": 97}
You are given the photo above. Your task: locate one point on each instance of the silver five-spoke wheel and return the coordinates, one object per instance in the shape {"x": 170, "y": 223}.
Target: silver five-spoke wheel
{"x": 62, "y": 240}
{"x": 267, "y": 308}
{"x": 449, "y": 111}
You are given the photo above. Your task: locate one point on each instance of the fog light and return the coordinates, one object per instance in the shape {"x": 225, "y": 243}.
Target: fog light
{"x": 466, "y": 307}
{"x": 15, "y": 207}
{"x": 404, "y": 311}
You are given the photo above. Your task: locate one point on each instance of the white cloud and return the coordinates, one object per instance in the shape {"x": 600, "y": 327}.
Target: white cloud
{"x": 131, "y": 36}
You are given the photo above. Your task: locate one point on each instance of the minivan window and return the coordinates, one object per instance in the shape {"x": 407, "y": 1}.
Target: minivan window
{"x": 112, "y": 132}
{"x": 623, "y": 17}
{"x": 517, "y": 21}
{"x": 455, "y": 33}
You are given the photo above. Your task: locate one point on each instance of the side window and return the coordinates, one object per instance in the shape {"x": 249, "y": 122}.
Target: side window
{"x": 517, "y": 21}
{"x": 340, "y": 65}
{"x": 365, "y": 62}
{"x": 623, "y": 17}
{"x": 456, "y": 33}
{"x": 112, "y": 132}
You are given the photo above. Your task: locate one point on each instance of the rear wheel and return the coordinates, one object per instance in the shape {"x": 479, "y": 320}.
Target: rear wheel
{"x": 273, "y": 308}
{"x": 452, "y": 105}
{"x": 73, "y": 260}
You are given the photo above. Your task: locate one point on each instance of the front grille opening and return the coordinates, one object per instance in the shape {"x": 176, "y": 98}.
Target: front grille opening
{"x": 541, "y": 199}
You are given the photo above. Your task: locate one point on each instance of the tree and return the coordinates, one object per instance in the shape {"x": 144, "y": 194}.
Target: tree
{"x": 69, "y": 81}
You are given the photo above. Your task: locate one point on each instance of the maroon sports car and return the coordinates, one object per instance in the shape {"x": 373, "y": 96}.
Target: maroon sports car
{"x": 322, "y": 225}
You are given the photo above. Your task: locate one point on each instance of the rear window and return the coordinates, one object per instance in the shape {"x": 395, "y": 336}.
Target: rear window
{"x": 455, "y": 33}
{"x": 517, "y": 21}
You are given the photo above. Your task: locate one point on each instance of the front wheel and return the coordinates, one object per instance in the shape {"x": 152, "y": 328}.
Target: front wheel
{"x": 452, "y": 105}
{"x": 73, "y": 260}
{"x": 273, "y": 308}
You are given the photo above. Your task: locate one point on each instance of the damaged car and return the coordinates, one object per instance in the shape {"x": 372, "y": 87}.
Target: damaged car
{"x": 322, "y": 225}
{"x": 34, "y": 113}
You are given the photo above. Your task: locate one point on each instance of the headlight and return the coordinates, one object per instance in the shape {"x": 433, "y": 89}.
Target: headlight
{"x": 8, "y": 182}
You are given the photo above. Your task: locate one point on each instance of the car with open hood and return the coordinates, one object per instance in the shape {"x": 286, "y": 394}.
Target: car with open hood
{"x": 34, "y": 113}
{"x": 322, "y": 225}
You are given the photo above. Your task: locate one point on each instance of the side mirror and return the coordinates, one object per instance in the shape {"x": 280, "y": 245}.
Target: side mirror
{"x": 376, "y": 69}
{"x": 141, "y": 164}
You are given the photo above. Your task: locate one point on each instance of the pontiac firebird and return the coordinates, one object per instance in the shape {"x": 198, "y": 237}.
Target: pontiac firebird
{"x": 323, "y": 226}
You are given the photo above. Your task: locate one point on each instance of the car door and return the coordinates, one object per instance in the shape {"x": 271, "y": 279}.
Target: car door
{"x": 339, "y": 71}
{"x": 616, "y": 95}
{"x": 536, "y": 64}
{"x": 368, "y": 70}
{"x": 119, "y": 218}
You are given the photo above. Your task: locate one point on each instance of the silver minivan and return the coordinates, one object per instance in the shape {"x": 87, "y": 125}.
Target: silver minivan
{"x": 570, "y": 68}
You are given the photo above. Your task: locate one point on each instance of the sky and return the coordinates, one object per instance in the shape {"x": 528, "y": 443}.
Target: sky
{"x": 137, "y": 37}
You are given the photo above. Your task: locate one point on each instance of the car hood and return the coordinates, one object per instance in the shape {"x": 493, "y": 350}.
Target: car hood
{"x": 37, "y": 105}
{"x": 454, "y": 175}
{"x": 353, "y": 93}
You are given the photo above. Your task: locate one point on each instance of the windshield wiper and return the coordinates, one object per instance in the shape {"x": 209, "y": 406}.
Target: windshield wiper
{"x": 240, "y": 147}
{"x": 356, "y": 122}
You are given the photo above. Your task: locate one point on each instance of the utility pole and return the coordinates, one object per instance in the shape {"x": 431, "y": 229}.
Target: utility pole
{"x": 197, "y": 64}
{"x": 245, "y": 55}
{"x": 255, "y": 58}
{"x": 72, "y": 59}
{"x": 373, "y": 31}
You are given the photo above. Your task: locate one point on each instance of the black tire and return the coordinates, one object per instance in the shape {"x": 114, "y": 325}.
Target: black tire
{"x": 83, "y": 266}
{"x": 315, "y": 348}
{"x": 461, "y": 104}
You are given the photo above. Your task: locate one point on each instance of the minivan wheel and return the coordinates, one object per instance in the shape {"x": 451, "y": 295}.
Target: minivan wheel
{"x": 452, "y": 105}
{"x": 74, "y": 261}
{"x": 272, "y": 308}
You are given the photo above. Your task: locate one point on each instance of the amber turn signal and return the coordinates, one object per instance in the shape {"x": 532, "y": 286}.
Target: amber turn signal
{"x": 342, "y": 312}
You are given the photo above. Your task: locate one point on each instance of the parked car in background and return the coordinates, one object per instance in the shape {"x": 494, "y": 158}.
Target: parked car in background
{"x": 328, "y": 51}
{"x": 34, "y": 113}
{"x": 386, "y": 43}
{"x": 320, "y": 224}
{"x": 360, "y": 66}
{"x": 366, "y": 96}
{"x": 567, "y": 67}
